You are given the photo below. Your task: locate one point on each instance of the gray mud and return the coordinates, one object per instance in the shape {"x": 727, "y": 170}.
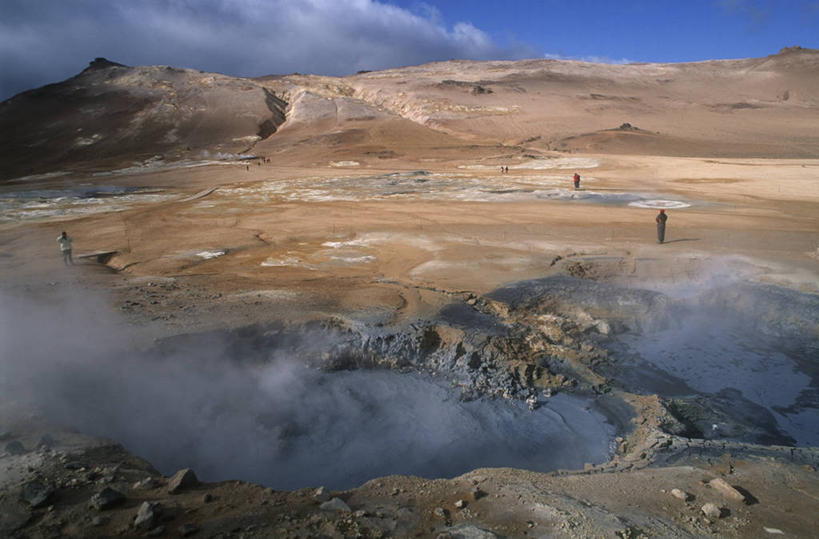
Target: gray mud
{"x": 735, "y": 361}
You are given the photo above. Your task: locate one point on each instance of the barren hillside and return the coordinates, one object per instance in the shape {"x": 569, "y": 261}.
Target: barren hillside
{"x": 114, "y": 114}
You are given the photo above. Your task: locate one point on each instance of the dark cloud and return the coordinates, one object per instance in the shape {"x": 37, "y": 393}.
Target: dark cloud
{"x": 44, "y": 41}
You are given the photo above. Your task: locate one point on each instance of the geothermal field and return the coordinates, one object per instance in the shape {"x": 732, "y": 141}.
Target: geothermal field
{"x": 378, "y": 306}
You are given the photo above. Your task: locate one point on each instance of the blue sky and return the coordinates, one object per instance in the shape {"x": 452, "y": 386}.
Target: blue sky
{"x": 43, "y": 41}
{"x": 638, "y": 30}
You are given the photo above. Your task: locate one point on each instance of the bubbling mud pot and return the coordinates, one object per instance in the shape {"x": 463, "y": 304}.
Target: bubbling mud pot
{"x": 738, "y": 362}
{"x": 326, "y": 403}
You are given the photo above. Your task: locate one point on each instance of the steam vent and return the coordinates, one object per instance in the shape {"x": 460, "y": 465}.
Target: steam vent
{"x": 464, "y": 299}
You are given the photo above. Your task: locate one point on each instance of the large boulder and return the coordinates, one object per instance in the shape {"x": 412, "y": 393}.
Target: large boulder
{"x": 181, "y": 480}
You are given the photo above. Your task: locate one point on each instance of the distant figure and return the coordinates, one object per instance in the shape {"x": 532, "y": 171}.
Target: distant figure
{"x": 576, "y": 181}
{"x": 506, "y": 170}
{"x": 65, "y": 248}
{"x": 661, "y": 219}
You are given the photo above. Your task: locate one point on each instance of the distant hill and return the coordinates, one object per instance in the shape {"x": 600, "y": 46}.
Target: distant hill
{"x": 112, "y": 115}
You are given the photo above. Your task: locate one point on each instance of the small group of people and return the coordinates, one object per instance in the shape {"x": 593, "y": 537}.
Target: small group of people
{"x": 504, "y": 170}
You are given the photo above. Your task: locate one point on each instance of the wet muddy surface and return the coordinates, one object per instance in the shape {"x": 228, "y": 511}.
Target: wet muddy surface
{"x": 423, "y": 185}
{"x": 73, "y": 201}
{"x": 742, "y": 369}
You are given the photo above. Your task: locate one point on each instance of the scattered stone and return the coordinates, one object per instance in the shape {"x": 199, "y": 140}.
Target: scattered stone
{"x": 187, "y": 529}
{"x": 336, "y": 504}
{"x": 182, "y": 479}
{"x": 774, "y": 531}
{"x": 470, "y": 531}
{"x": 532, "y": 403}
{"x": 460, "y": 504}
{"x": 14, "y": 447}
{"x": 100, "y": 521}
{"x": 726, "y": 490}
{"x": 711, "y": 510}
{"x": 477, "y": 493}
{"x": 106, "y": 499}
{"x": 439, "y": 512}
{"x": 156, "y": 532}
{"x": 681, "y": 494}
{"x": 361, "y": 513}
{"x": 321, "y": 495}
{"x": 146, "y": 484}
{"x": 36, "y": 493}
{"x": 207, "y": 498}
{"x": 72, "y": 465}
{"x": 148, "y": 515}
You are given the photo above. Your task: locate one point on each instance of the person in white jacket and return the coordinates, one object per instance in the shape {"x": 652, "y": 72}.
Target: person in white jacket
{"x": 65, "y": 248}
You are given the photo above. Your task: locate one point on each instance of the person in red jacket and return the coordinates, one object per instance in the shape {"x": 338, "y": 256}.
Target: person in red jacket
{"x": 661, "y": 219}
{"x": 576, "y": 181}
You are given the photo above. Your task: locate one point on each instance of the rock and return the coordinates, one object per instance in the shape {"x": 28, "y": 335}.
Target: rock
{"x": 146, "y": 484}
{"x": 460, "y": 504}
{"x": 681, "y": 494}
{"x": 188, "y": 529}
{"x": 726, "y": 490}
{"x": 470, "y": 531}
{"x": 100, "y": 521}
{"x": 477, "y": 493}
{"x": 532, "y": 403}
{"x": 106, "y": 499}
{"x": 156, "y": 532}
{"x": 12, "y": 517}
{"x": 439, "y": 512}
{"x": 711, "y": 510}
{"x": 148, "y": 515}
{"x": 774, "y": 531}
{"x": 36, "y": 493}
{"x": 321, "y": 495}
{"x": 207, "y": 498}
{"x": 14, "y": 447}
{"x": 46, "y": 441}
{"x": 181, "y": 480}
{"x": 336, "y": 504}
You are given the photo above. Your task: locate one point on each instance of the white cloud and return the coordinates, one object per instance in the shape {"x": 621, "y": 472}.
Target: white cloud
{"x": 47, "y": 40}
{"x": 593, "y": 59}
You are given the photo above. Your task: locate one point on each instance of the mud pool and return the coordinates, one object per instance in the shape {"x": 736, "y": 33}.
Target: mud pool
{"x": 741, "y": 364}
{"x": 288, "y": 426}
{"x": 73, "y": 201}
{"x": 342, "y": 429}
{"x": 254, "y": 407}
{"x": 423, "y": 185}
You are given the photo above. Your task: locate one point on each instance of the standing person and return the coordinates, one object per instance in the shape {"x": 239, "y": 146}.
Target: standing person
{"x": 65, "y": 248}
{"x": 661, "y": 219}
{"x": 576, "y": 181}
